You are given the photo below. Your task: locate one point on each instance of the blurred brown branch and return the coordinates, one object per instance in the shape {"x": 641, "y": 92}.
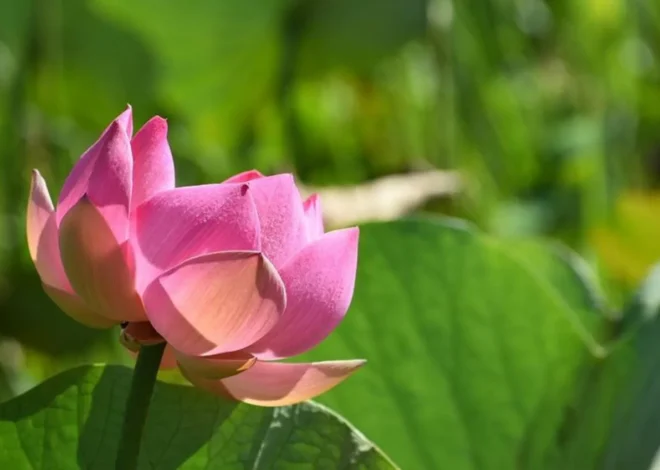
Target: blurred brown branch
{"x": 387, "y": 198}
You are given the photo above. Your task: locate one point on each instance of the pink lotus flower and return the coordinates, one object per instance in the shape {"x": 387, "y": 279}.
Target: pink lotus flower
{"x": 233, "y": 275}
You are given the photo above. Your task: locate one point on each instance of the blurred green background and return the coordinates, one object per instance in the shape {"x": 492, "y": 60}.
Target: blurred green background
{"x": 549, "y": 111}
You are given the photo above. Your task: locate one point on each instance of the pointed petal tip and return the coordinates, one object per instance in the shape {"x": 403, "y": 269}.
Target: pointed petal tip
{"x": 116, "y": 138}
{"x": 153, "y": 166}
{"x": 349, "y": 237}
{"x": 256, "y": 177}
{"x": 244, "y": 177}
{"x": 157, "y": 123}
{"x": 314, "y": 217}
{"x": 35, "y": 179}
{"x": 313, "y": 199}
{"x": 161, "y": 124}
{"x": 351, "y": 233}
{"x": 110, "y": 181}
{"x": 40, "y": 210}
{"x": 39, "y": 194}
{"x": 288, "y": 177}
{"x": 125, "y": 120}
{"x": 357, "y": 363}
{"x": 282, "y": 218}
{"x": 104, "y": 169}
{"x": 320, "y": 281}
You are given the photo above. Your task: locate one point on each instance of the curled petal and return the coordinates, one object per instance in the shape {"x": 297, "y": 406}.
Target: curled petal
{"x": 45, "y": 252}
{"x": 282, "y": 220}
{"x": 42, "y": 235}
{"x": 40, "y": 208}
{"x": 185, "y": 222}
{"x": 74, "y": 306}
{"x": 314, "y": 217}
{"x": 280, "y": 383}
{"x": 244, "y": 177}
{"x": 99, "y": 268}
{"x": 216, "y": 303}
{"x": 153, "y": 168}
{"x": 215, "y": 367}
{"x": 319, "y": 284}
{"x": 116, "y": 169}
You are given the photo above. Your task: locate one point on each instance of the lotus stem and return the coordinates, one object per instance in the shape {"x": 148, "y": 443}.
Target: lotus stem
{"x": 137, "y": 405}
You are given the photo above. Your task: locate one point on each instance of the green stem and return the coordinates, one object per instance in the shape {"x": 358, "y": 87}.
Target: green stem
{"x": 137, "y": 405}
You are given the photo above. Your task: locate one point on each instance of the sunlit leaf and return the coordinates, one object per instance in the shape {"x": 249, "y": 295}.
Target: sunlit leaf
{"x": 74, "y": 421}
{"x": 475, "y": 346}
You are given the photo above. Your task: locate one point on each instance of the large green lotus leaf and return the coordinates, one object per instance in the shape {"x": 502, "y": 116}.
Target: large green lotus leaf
{"x": 572, "y": 279}
{"x": 633, "y": 418}
{"x": 74, "y": 421}
{"x": 475, "y": 346}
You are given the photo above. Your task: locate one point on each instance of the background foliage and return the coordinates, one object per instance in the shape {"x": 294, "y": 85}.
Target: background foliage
{"x": 550, "y": 110}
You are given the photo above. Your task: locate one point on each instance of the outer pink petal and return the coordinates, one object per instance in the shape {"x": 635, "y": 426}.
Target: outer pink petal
{"x": 42, "y": 235}
{"x": 244, "y": 177}
{"x": 78, "y": 182}
{"x": 279, "y": 383}
{"x": 179, "y": 224}
{"x": 111, "y": 181}
{"x": 45, "y": 252}
{"x": 314, "y": 217}
{"x": 153, "y": 168}
{"x": 319, "y": 285}
{"x": 215, "y": 367}
{"x": 216, "y": 303}
{"x": 97, "y": 265}
{"x": 40, "y": 208}
{"x": 281, "y": 217}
